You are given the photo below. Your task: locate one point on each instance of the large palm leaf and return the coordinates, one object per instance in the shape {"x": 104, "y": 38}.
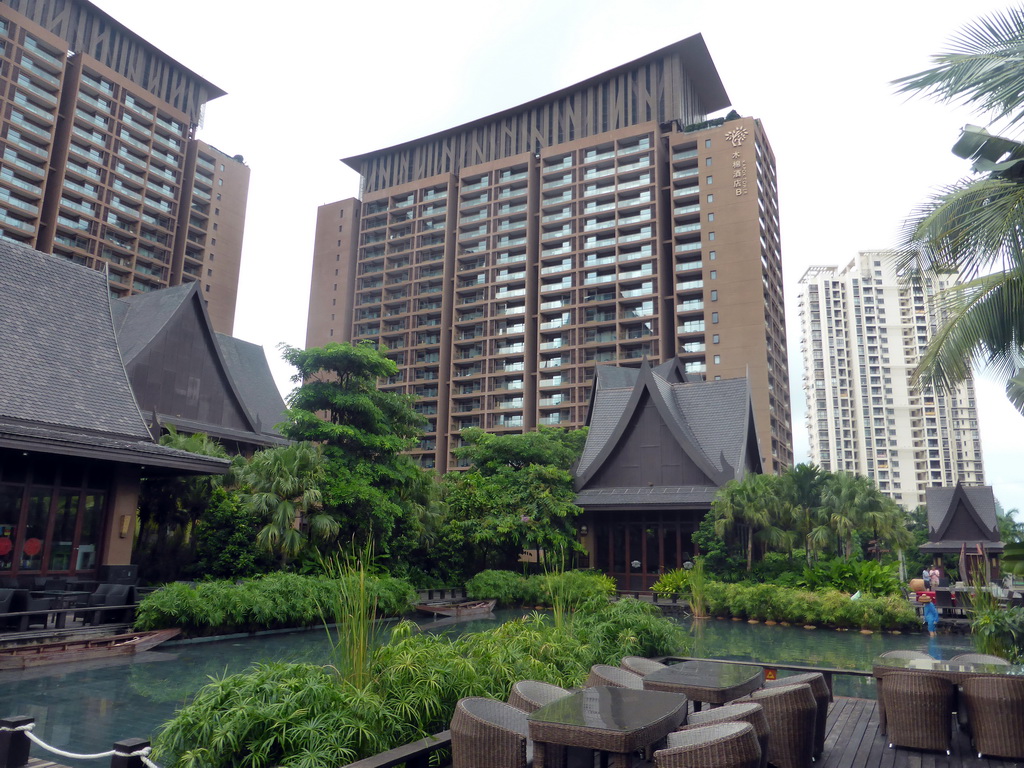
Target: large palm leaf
{"x": 983, "y": 68}
{"x": 985, "y": 327}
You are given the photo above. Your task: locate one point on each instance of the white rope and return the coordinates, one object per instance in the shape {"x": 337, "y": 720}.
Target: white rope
{"x": 35, "y": 739}
{"x": 142, "y": 754}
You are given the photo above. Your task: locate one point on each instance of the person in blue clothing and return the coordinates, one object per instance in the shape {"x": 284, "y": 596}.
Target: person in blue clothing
{"x": 931, "y": 613}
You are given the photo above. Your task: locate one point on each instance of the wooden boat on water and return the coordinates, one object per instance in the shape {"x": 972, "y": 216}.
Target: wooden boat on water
{"x": 67, "y": 651}
{"x": 458, "y": 610}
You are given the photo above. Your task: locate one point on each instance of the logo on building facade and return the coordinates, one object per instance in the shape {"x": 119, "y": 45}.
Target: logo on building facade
{"x": 737, "y": 136}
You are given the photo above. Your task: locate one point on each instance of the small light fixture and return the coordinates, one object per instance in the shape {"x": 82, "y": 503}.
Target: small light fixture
{"x": 584, "y": 530}
{"x": 687, "y": 565}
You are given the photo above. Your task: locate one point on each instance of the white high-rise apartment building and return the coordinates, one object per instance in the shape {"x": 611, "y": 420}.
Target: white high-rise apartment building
{"x": 862, "y": 334}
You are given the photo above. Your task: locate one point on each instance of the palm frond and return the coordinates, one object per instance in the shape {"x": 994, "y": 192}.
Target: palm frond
{"x": 983, "y": 68}
{"x": 985, "y": 329}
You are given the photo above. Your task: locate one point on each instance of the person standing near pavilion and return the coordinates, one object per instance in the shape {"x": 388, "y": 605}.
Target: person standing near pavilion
{"x": 931, "y": 613}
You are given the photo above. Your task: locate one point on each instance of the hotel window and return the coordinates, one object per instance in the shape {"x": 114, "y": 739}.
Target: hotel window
{"x": 715, "y": 339}
{"x": 711, "y": 198}
{"x": 712, "y": 256}
{"x": 714, "y": 295}
{"x": 711, "y": 235}
{"x": 714, "y": 274}
{"x": 707, "y": 143}
{"x": 711, "y": 217}
{"x": 714, "y": 318}
{"x": 707, "y": 161}
{"x": 718, "y": 359}
{"x": 711, "y": 180}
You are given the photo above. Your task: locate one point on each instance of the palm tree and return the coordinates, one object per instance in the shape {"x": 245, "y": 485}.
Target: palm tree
{"x": 755, "y": 509}
{"x": 975, "y": 228}
{"x": 848, "y": 502}
{"x": 803, "y": 489}
{"x": 284, "y": 489}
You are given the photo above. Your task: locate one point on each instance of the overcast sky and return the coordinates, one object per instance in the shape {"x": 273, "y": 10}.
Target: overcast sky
{"x": 310, "y": 83}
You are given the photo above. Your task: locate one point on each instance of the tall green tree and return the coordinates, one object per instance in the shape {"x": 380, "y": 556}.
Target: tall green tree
{"x": 802, "y": 485}
{"x": 373, "y": 491}
{"x": 974, "y": 228}
{"x": 547, "y": 446}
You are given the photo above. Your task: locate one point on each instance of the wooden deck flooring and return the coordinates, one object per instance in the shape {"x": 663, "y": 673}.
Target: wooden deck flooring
{"x": 853, "y": 741}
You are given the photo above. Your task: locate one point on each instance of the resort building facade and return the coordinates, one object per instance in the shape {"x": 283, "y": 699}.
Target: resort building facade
{"x": 863, "y": 332}
{"x": 501, "y": 261}
{"x": 100, "y": 164}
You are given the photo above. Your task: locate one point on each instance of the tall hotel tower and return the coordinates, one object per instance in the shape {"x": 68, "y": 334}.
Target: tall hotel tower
{"x": 100, "y": 164}
{"x": 862, "y": 335}
{"x": 500, "y": 261}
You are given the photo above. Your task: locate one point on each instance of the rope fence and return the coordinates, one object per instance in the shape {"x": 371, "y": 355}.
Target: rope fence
{"x": 16, "y": 736}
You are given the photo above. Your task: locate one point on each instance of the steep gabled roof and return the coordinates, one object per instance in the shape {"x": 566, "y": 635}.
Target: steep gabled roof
{"x": 961, "y": 515}
{"x": 63, "y": 386}
{"x": 144, "y": 320}
{"x": 710, "y": 421}
{"x": 251, "y": 372}
{"x": 59, "y": 360}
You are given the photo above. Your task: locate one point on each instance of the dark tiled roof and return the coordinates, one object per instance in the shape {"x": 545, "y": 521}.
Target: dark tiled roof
{"x": 59, "y": 360}
{"x": 713, "y": 416}
{"x": 954, "y": 545}
{"x": 698, "y": 496}
{"x": 716, "y": 413}
{"x": 947, "y": 518}
{"x": 251, "y": 372}
{"x": 141, "y": 317}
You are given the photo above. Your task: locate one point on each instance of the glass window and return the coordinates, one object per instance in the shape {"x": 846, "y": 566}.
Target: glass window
{"x": 89, "y": 535}
{"x": 63, "y": 538}
{"x": 10, "y": 514}
{"x": 35, "y": 529}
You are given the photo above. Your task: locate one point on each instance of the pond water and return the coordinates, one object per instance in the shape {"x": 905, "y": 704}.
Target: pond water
{"x": 86, "y": 707}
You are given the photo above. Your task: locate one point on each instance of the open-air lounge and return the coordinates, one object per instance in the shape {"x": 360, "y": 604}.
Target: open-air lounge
{"x": 968, "y": 711}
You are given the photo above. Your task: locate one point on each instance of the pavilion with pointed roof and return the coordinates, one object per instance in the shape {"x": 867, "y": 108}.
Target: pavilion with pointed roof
{"x": 81, "y": 373}
{"x": 186, "y": 376}
{"x": 661, "y": 444}
{"x": 962, "y": 520}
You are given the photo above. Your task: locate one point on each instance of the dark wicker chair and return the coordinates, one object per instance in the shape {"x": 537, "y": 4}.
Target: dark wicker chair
{"x": 920, "y": 709}
{"x": 531, "y": 695}
{"x": 604, "y": 674}
{"x": 971, "y": 658}
{"x": 489, "y": 734}
{"x": 995, "y": 708}
{"x": 20, "y": 601}
{"x": 882, "y": 722}
{"x": 639, "y": 665}
{"x": 747, "y": 712}
{"x": 791, "y": 713}
{"x": 723, "y": 745}
{"x": 822, "y": 697}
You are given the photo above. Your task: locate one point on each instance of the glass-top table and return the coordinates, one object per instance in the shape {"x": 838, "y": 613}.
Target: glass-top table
{"x": 618, "y": 721}
{"x": 706, "y": 681}
{"x": 952, "y": 671}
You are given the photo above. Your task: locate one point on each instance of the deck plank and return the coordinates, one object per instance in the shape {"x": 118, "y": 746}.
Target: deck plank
{"x": 853, "y": 741}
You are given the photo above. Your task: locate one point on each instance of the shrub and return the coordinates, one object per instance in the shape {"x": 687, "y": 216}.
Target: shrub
{"x": 268, "y": 602}
{"x": 507, "y": 587}
{"x": 999, "y": 631}
{"x": 828, "y": 607}
{"x": 570, "y": 589}
{"x": 672, "y": 584}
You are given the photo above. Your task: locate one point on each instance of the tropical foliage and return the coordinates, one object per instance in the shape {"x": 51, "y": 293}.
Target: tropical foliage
{"x": 302, "y": 715}
{"x": 370, "y": 490}
{"x": 973, "y": 228}
{"x": 806, "y": 508}
{"x": 824, "y": 608}
{"x": 517, "y": 495}
{"x": 274, "y": 601}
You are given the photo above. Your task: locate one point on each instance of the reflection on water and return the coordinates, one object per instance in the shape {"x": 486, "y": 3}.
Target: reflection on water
{"x": 86, "y": 707}
{"x": 739, "y": 640}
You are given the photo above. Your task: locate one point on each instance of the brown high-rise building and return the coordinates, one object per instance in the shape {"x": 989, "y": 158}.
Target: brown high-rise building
{"x": 100, "y": 163}
{"x": 500, "y": 261}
